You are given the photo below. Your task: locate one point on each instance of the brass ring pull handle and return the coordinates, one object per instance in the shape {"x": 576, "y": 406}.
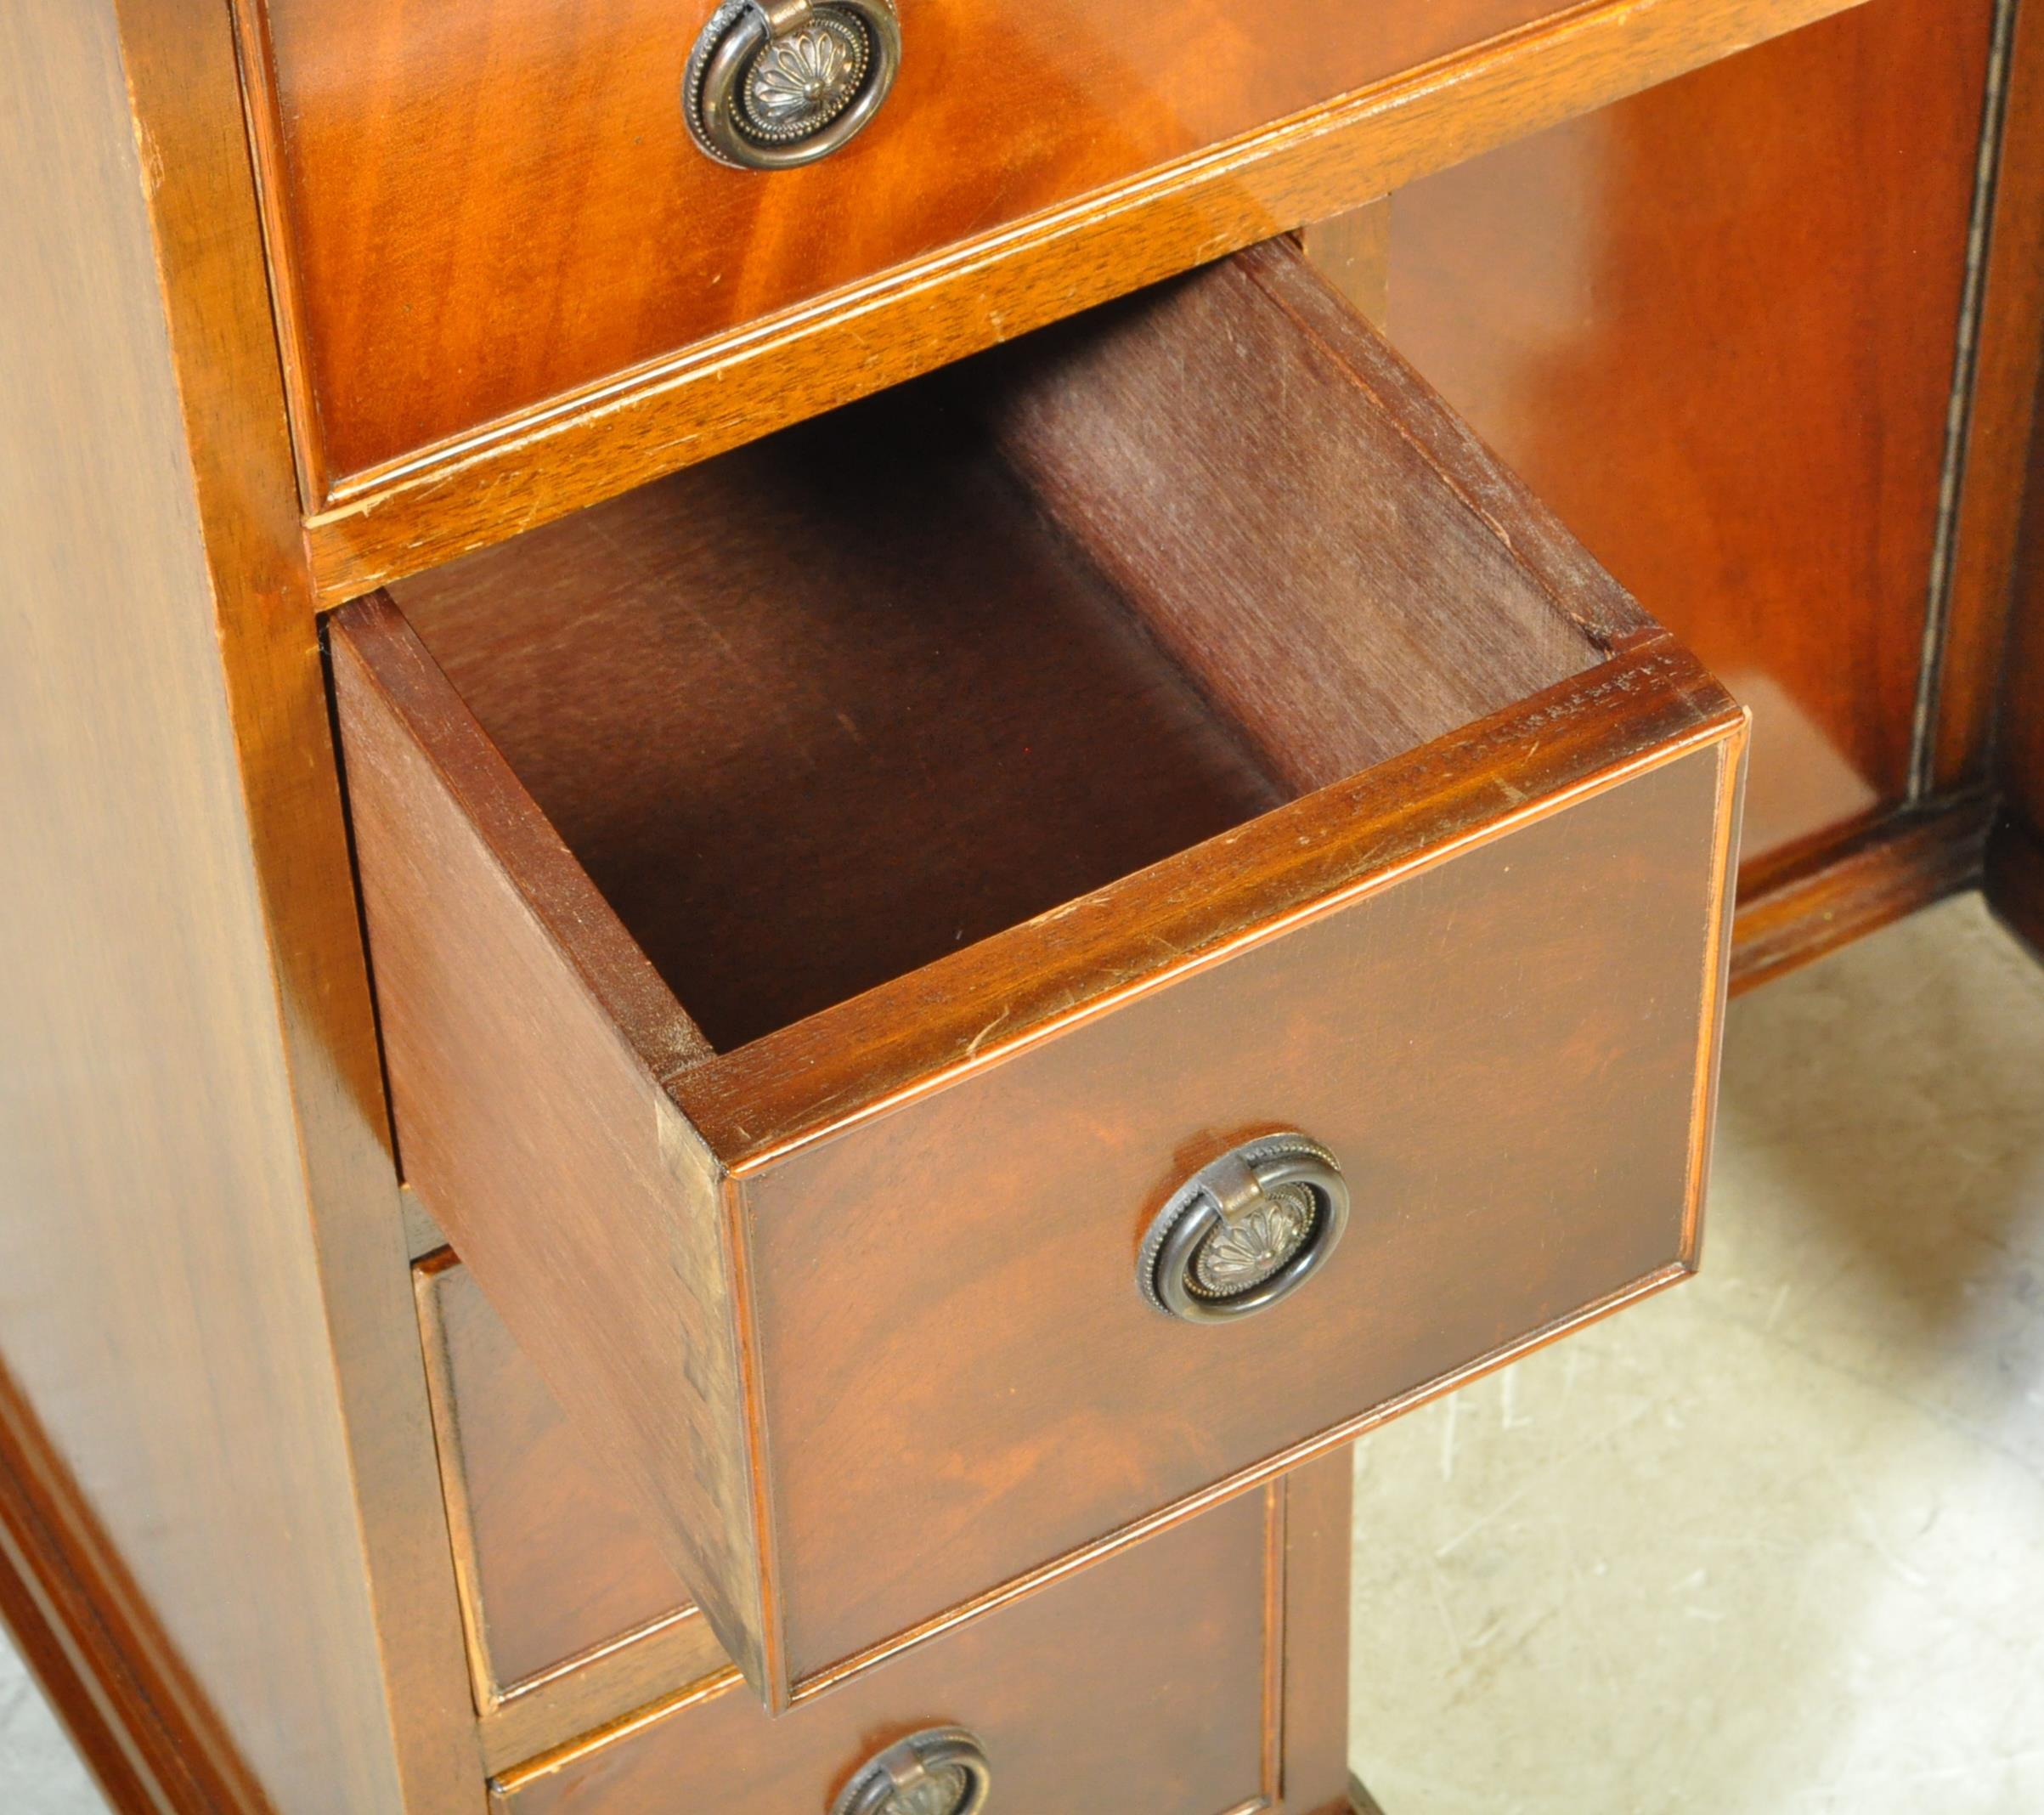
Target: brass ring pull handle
{"x": 774, "y": 83}
{"x": 1246, "y": 1231}
{"x": 940, "y": 1771}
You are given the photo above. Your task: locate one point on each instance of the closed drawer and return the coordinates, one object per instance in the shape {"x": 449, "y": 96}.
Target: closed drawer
{"x": 484, "y": 206}
{"x": 576, "y": 1624}
{"x": 1152, "y": 1683}
{"x": 824, "y": 905}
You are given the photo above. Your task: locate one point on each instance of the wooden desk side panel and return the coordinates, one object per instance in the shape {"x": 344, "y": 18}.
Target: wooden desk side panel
{"x": 2005, "y": 357}
{"x": 202, "y": 1280}
{"x": 2006, "y": 693}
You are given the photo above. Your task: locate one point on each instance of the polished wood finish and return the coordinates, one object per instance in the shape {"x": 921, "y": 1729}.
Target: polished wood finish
{"x": 597, "y": 238}
{"x": 957, "y": 1403}
{"x": 1681, "y": 319}
{"x": 560, "y": 1564}
{"x": 1037, "y": 1402}
{"x": 221, "y": 1537}
{"x": 1848, "y": 887}
{"x": 988, "y": 285}
{"x": 204, "y": 1295}
{"x": 630, "y": 1181}
{"x": 571, "y": 1611}
{"x": 1154, "y": 1681}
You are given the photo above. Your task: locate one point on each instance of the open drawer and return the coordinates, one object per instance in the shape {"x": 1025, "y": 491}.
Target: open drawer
{"x": 824, "y": 906}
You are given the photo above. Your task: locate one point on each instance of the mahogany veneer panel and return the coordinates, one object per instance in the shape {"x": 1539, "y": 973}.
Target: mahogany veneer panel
{"x": 1146, "y": 1682}
{"x": 854, "y": 1302}
{"x": 1512, "y": 1101}
{"x": 1714, "y": 327}
{"x": 522, "y": 470}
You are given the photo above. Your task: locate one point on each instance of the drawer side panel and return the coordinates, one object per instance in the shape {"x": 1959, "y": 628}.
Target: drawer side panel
{"x": 533, "y": 1132}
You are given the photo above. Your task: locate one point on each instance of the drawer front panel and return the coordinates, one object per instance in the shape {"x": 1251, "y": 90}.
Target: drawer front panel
{"x": 487, "y": 205}
{"x": 1150, "y": 1682}
{"x": 1504, "y": 1052}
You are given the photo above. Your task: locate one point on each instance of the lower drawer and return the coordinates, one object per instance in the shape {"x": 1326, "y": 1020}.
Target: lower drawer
{"x": 1154, "y": 1682}
{"x": 575, "y": 1621}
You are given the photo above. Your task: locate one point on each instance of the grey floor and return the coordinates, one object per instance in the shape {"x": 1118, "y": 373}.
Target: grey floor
{"x": 1772, "y": 1544}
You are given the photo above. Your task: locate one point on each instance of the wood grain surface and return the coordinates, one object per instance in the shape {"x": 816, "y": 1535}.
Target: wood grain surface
{"x": 787, "y": 661}
{"x": 1714, "y": 327}
{"x": 1352, "y": 252}
{"x": 1852, "y": 885}
{"x": 877, "y": 609}
{"x": 203, "y": 1292}
{"x": 1164, "y": 437}
{"x": 993, "y": 282}
{"x": 589, "y": 236}
{"x": 1504, "y": 1050}
{"x": 564, "y": 1574}
{"x": 875, "y": 1292}
{"x": 1319, "y": 1539}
